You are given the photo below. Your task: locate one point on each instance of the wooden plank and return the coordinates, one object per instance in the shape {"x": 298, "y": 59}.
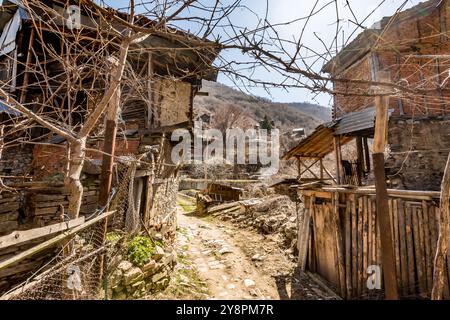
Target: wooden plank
{"x": 396, "y": 241}
{"x": 348, "y": 248}
{"x": 25, "y": 254}
{"x": 354, "y": 246}
{"x": 339, "y": 244}
{"x": 370, "y": 232}
{"x": 374, "y": 231}
{"x": 417, "y": 248}
{"x": 365, "y": 250}
{"x": 410, "y": 250}
{"x": 409, "y": 194}
{"x": 361, "y": 272}
{"x": 427, "y": 239}
{"x": 313, "y": 213}
{"x": 403, "y": 247}
{"x": 304, "y": 236}
{"x": 19, "y": 237}
{"x": 311, "y": 260}
{"x": 423, "y": 260}
{"x": 434, "y": 218}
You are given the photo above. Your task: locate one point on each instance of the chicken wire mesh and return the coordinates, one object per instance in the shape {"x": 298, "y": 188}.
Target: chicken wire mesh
{"x": 77, "y": 269}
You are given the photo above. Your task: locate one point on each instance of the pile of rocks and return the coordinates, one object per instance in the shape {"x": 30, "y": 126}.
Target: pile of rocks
{"x": 128, "y": 281}
{"x": 272, "y": 214}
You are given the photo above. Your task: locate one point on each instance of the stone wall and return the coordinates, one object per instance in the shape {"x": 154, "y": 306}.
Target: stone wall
{"x": 16, "y": 161}
{"x": 418, "y": 152}
{"x": 163, "y": 218}
{"x": 31, "y": 209}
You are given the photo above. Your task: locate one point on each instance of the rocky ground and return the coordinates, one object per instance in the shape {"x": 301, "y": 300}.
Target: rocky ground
{"x": 221, "y": 260}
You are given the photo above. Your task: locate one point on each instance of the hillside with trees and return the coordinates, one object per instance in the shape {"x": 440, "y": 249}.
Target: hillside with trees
{"x": 285, "y": 116}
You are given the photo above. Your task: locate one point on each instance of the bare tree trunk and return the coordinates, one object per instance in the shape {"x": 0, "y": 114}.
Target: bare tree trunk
{"x": 442, "y": 245}
{"x": 73, "y": 183}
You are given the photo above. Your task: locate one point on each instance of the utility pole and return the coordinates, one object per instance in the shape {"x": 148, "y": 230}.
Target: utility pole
{"x": 384, "y": 222}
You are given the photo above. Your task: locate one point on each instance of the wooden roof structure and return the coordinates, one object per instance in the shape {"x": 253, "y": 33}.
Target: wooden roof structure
{"x": 317, "y": 145}
{"x": 175, "y": 51}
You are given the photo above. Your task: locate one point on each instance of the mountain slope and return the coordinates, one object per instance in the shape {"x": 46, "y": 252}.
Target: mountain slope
{"x": 285, "y": 115}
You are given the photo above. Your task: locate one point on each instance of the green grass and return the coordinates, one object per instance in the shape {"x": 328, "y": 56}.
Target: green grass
{"x": 186, "y": 204}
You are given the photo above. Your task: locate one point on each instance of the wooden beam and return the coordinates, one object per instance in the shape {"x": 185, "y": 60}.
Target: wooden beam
{"x": 19, "y": 237}
{"x": 308, "y": 168}
{"x": 383, "y": 218}
{"x": 329, "y": 174}
{"x": 36, "y": 249}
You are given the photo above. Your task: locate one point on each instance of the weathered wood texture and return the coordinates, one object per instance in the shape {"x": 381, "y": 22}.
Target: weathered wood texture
{"x": 354, "y": 240}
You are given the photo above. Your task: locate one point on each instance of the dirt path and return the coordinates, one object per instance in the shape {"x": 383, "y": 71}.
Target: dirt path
{"x": 240, "y": 264}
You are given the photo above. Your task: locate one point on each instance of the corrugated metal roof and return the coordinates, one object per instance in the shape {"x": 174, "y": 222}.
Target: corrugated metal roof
{"x": 356, "y": 121}
{"x": 321, "y": 142}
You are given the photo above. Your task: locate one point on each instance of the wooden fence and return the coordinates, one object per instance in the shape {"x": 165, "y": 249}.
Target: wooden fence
{"x": 339, "y": 239}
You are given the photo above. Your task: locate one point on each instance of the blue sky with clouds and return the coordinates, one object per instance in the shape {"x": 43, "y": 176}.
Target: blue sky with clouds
{"x": 320, "y": 29}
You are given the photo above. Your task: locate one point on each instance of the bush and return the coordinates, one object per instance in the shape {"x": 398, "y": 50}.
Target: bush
{"x": 140, "y": 250}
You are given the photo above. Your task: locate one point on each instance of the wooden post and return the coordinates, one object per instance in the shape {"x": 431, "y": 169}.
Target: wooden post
{"x": 26, "y": 76}
{"x": 384, "y": 222}
{"x": 299, "y": 167}
{"x": 109, "y": 145}
{"x": 321, "y": 169}
{"x": 109, "y": 149}
{"x": 360, "y": 151}
{"x": 366, "y": 155}
{"x": 338, "y": 154}
{"x": 150, "y": 91}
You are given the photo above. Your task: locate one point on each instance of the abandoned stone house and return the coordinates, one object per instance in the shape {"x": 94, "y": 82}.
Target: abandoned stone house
{"x": 413, "y": 48}
{"x": 32, "y": 171}
{"x": 339, "y": 235}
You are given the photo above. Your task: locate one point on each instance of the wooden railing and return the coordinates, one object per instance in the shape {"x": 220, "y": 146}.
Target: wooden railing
{"x": 339, "y": 238}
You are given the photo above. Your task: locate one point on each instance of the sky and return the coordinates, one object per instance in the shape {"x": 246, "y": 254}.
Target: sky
{"x": 319, "y": 31}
